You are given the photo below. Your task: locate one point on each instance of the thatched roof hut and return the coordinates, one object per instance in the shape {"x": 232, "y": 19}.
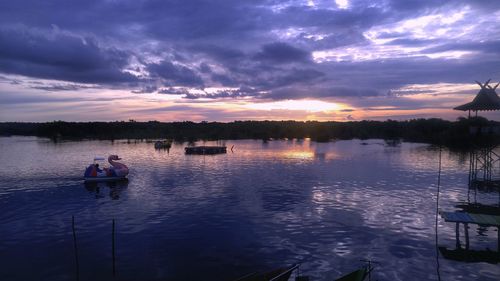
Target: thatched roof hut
{"x": 487, "y": 99}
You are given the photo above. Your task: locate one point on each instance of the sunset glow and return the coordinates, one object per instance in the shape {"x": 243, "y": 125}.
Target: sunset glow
{"x": 326, "y": 60}
{"x": 302, "y": 105}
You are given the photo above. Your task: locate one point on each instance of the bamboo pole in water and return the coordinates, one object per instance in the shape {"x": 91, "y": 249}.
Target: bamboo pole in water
{"x": 466, "y": 230}
{"x": 113, "y": 247}
{"x": 76, "y": 248}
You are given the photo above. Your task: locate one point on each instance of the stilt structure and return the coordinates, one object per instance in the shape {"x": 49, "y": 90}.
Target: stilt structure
{"x": 484, "y": 165}
{"x": 484, "y": 170}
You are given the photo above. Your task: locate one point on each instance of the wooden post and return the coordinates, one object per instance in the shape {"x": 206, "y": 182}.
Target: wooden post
{"x": 457, "y": 235}
{"x": 466, "y": 229}
{"x": 490, "y": 163}
{"x": 473, "y": 160}
{"x": 470, "y": 167}
{"x": 76, "y": 248}
{"x": 113, "y": 247}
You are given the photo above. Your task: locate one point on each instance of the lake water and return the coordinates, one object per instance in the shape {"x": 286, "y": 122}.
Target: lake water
{"x": 265, "y": 205}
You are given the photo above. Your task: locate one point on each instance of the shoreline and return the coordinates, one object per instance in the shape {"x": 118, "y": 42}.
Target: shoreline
{"x": 463, "y": 133}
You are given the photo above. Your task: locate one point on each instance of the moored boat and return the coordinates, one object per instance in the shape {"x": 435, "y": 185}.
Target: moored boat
{"x": 163, "y": 144}
{"x": 284, "y": 273}
{"x": 203, "y": 150}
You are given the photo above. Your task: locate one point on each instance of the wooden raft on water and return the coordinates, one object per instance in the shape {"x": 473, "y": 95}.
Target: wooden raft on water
{"x": 463, "y": 217}
{"x": 466, "y": 254}
{"x": 202, "y": 150}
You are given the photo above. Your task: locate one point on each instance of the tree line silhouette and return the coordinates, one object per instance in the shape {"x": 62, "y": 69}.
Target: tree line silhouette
{"x": 434, "y": 131}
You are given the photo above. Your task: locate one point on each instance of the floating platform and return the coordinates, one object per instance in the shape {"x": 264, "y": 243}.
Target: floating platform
{"x": 470, "y": 255}
{"x": 204, "y": 150}
{"x": 165, "y": 144}
{"x": 463, "y": 217}
{"x": 471, "y": 218}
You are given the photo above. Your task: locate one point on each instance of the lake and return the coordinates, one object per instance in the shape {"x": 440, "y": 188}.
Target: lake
{"x": 219, "y": 217}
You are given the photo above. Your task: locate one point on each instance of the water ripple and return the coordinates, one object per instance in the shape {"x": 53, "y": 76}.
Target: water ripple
{"x": 184, "y": 217}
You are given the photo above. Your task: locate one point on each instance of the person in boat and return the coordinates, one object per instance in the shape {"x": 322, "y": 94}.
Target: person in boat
{"x": 91, "y": 171}
{"x": 97, "y": 168}
{"x": 115, "y": 170}
{"x": 100, "y": 172}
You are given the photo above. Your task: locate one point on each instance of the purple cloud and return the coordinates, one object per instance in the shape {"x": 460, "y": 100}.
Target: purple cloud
{"x": 262, "y": 49}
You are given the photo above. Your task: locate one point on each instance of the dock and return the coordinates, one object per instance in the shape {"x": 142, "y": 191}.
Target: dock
{"x": 205, "y": 150}
{"x": 471, "y": 218}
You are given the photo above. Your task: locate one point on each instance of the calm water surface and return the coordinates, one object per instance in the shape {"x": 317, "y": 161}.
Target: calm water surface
{"x": 180, "y": 217}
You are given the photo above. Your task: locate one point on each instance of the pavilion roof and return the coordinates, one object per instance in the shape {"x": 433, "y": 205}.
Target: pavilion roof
{"x": 486, "y": 99}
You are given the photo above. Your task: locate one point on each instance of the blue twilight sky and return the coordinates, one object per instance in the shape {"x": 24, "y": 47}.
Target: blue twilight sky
{"x": 230, "y": 60}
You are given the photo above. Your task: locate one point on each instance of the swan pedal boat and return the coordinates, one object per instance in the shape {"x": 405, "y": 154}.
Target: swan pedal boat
{"x": 117, "y": 171}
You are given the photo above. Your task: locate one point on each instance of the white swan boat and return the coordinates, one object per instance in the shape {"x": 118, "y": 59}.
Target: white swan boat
{"x": 117, "y": 171}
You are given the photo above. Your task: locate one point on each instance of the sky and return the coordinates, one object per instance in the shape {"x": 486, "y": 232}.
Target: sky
{"x": 225, "y": 60}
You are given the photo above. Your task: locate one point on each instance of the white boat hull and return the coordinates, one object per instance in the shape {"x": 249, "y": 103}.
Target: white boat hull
{"x": 88, "y": 179}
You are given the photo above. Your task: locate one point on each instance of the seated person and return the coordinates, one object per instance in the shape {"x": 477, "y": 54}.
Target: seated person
{"x": 100, "y": 173}
{"x": 90, "y": 171}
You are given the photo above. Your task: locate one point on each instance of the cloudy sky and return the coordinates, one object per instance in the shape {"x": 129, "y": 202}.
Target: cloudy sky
{"x": 224, "y": 60}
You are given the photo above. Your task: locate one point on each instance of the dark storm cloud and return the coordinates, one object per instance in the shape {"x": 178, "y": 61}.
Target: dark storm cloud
{"x": 282, "y": 53}
{"x": 60, "y": 87}
{"x": 205, "y": 68}
{"x": 264, "y": 69}
{"x": 225, "y": 80}
{"x": 146, "y": 90}
{"x": 263, "y": 78}
{"x": 219, "y": 95}
{"x": 172, "y": 91}
{"x": 218, "y": 53}
{"x": 60, "y": 56}
{"x": 182, "y": 20}
{"x": 174, "y": 74}
{"x": 289, "y": 77}
{"x": 233, "y": 94}
{"x": 192, "y": 20}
